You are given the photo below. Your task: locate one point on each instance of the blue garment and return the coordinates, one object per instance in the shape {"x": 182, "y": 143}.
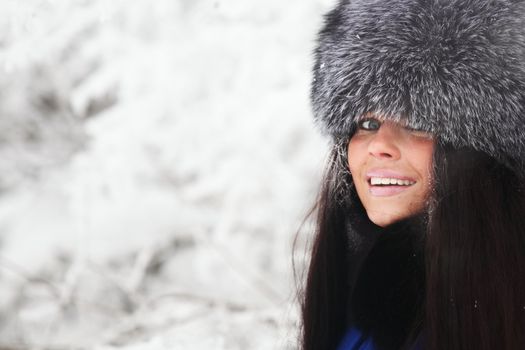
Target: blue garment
{"x": 354, "y": 339}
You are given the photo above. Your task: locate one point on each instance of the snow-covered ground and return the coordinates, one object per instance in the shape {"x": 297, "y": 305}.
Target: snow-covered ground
{"x": 158, "y": 158}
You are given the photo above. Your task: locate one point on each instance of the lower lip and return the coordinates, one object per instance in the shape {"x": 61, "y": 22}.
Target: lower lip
{"x": 385, "y": 191}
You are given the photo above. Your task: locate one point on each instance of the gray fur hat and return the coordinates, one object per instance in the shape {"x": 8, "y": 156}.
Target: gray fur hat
{"x": 455, "y": 68}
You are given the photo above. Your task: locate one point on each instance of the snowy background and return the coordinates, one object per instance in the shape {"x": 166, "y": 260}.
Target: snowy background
{"x": 157, "y": 159}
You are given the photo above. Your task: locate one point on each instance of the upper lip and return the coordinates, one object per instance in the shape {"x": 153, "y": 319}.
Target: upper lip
{"x": 387, "y": 173}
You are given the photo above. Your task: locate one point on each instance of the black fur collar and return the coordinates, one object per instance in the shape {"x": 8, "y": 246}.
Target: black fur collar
{"x": 388, "y": 279}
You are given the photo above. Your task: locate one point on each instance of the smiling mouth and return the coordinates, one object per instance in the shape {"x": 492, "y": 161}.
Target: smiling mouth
{"x": 387, "y": 181}
{"x": 387, "y": 186}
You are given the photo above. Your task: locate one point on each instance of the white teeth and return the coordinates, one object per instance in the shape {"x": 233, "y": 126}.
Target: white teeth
{"x": 390, "y": 181}
{"x": 375, "y": 181}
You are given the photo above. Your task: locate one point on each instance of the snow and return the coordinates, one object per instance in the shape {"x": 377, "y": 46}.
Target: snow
{"x": 159, "y": 158}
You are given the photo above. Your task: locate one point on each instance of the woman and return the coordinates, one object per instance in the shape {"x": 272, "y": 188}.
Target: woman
{"x": 420, "y": 240}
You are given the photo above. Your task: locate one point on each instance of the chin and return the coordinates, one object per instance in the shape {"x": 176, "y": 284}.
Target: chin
{"x": 385, "y": 219}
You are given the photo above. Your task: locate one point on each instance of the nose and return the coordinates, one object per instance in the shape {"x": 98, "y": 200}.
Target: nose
{"x": 384, "y": 144}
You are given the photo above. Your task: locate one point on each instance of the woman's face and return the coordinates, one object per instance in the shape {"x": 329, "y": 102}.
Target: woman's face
{"x": 391, "y": 166}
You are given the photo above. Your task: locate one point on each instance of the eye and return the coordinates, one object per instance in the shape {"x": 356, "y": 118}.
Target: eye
{"x": 369, "y": 124}
{"x": 418, "y": 132}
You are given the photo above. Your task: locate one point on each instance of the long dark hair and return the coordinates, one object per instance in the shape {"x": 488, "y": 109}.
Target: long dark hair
{"x": 475, "y": 254}
{"x": 326, "y": 288}
{"x": 473, "y": 249}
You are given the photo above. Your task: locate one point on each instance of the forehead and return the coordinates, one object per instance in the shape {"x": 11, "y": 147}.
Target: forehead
{"x": 383, "y": 118}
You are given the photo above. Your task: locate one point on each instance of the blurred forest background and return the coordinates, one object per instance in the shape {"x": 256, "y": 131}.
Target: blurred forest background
{"x": 157, "y": 160}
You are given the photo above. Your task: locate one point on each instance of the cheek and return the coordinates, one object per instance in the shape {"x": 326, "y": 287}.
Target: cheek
{"x": 423, "y": 159}
{"x": 355, "y": 155}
